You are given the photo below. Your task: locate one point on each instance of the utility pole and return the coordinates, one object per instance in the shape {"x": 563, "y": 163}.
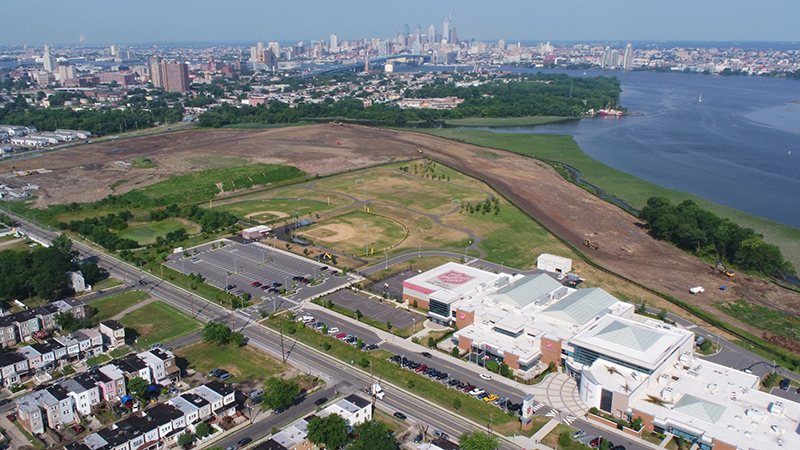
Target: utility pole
{"x": 365, "y": 199}
{"x": 491, "y": 420}
{"x": 372, "y": 386}
{"x": 233, "y": 324}
{"x": 191, "y": 299}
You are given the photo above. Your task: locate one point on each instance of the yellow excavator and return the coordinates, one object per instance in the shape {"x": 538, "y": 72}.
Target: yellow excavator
{"x": 724, "y": 269}
{"x": 591, "y": 244}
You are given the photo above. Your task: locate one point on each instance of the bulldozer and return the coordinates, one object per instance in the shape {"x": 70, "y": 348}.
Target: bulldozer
{"x": 724, "y": 269}
{"x": 591, "y": 244}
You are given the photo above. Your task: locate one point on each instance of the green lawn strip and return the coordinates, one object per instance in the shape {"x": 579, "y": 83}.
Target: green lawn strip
{"x": 762, "y": 318}
{"x": 119, "y": 352}
{"x": 204, "y": 290}
{"x": 97, "y": 360}
{"x": 505, "y": 121}
{"x": 471, "y": 408}
{"x": 149, "y": 232}
{"x": 244, "y": 363}
{"x": 68, "y": 370}
{"x": 628, "y": 188}
{"x": 106, "y": 284}
{"x": 551, "y": 440}
{"x": 112, "y": 305}
{"x": 159, "y": 322}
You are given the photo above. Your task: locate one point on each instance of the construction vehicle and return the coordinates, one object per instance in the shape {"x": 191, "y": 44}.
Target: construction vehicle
{"x": 724, "y": 269}
{"x": 419, "y": 150}
{"x": 591, "y": 244}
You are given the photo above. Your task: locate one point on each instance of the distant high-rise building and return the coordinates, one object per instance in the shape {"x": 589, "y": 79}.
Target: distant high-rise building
{"x": 254, "y": 51}
{"x": 453, "y": 36}
{"x": 275, "y": 48}
{"x": 446, "y": 28}
{"x": 608, "y": 59}
{"x": 334, "y": 41}
{"x": 48, "y": 60}
{"x": 66, "y": 71}
{"x": 113, "y": 51}
{"x": 627, "y": 59}
{"x": 431, "y": 34}
{"x": 176, "y": 76}
{"x": 156, "y": 76}
{"x": 501, "y": 44}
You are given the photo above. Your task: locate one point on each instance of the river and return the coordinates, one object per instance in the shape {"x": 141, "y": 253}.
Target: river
{"x": 739, "y": 147}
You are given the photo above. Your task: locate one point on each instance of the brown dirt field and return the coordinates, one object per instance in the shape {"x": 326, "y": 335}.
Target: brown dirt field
{"x": 333, "y": 232}
{"x": 84, "y": 173}
{"x": 278, "y": 214}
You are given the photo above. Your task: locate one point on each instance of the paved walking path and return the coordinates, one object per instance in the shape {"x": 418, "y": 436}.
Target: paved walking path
{"x": 133, "y": 308}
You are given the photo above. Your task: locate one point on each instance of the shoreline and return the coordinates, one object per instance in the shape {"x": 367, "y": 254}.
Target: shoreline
{"x": 620, "y": 186}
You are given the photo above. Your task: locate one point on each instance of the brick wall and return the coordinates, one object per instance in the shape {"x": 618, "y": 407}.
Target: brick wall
{"x": 551, "y": 351}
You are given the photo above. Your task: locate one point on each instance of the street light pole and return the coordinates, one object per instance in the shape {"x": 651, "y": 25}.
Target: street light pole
{"x": 387, "y": 260}
{"x": 366, "y": 243}
{"x": 419, "y": 250}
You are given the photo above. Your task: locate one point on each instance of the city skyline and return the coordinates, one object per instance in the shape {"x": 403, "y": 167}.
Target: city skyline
{"x": 203, "y": 21}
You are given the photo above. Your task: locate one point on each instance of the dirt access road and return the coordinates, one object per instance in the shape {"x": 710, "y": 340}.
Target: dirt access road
{"x": 84, "y": 174}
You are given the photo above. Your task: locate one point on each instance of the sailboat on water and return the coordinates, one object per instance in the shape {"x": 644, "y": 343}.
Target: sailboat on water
{"x": 701, "y": 98}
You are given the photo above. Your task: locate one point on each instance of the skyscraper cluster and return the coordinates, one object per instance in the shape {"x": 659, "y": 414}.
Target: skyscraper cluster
{"x": 265, "y": 57}
{"x": 612, "y": 59}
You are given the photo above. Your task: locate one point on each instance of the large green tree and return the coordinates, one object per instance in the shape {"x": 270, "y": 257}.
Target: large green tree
{"x": 217, "y": 333}
{"x": 330, "y": 431}
{"x": 280, "y": 393}
{"x": 477, "y": 440}
{"x": 373, "y": 436}
{"x": 138, "y": 388}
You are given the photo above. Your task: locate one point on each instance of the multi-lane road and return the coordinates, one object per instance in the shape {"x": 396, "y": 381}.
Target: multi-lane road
{"x": 301, "y": 357}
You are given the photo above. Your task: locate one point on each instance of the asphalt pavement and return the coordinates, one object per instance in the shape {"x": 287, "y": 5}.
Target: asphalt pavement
{"x": 301, "y": 357}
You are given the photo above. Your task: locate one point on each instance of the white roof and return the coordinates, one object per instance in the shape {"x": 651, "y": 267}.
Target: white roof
{"x": 642, "y": 344}
{"x": 456, "y": 277}
{"x": 722, "y": 403}
{"x": 555, "y": 258}
{"x": 257, "y": 229}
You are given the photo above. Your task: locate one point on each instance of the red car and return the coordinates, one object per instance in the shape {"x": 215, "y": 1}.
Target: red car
{"x": 596, "y": 442}
{"x": 421, "y": 368}
{"x": 11, "y": 417}
{"x": 341, "y": 335}
{"x": 78, "y": 429}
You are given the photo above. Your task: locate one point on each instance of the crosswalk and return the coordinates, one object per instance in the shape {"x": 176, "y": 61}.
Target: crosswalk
{"x": 552, "y": 413}
{"x": 537, "y": 406}
{"x": 569, "y": 419}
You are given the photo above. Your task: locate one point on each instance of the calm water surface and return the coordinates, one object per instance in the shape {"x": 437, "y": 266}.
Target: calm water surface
{"x": 739, "y": 147}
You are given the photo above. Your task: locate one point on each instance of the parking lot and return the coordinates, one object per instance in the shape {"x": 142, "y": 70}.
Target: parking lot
{"x": 392, "y": 286}
{"x": 240, "y": 265}
{"x": 385, "y": 311}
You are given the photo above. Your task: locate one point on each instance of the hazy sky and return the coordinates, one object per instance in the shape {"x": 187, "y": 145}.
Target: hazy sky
{"x": 162, "y": 21}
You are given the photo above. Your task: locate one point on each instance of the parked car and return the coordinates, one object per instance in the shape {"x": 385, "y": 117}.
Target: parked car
{"x": 341, "y": 336}
{"x": 486, "y": 376}
{"x": 173, "y": 390}
{"x": 490, "y": 398}
{"x": 244, "y": 441}
{"x": 320, "y": 401}
{"x": 575, "y": 435}
{"x": 333, "y": 330}
{"x": 400, "y": 415}
{"x": 785, "y": 383}
{"x": 255, "y": 393}
{"x": 78, "y": 429}
{"x": 421, "y": 368}
{"x": 371, "y": 347}
{"x": 11, "y": 417}
{"x": 418, "y": 438}
{"x": 225, "y": 376}
{"x": 155, "y": 346}
{"x": 426, "y": 354}
{"x": 215, "y": 373}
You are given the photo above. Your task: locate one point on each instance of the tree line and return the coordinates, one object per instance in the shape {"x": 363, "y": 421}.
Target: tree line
{"x": 704, "y": 233}
{"x": 42, "y": 272}
{"x": 540, "y": 95}
{"x": 97, "y": 121}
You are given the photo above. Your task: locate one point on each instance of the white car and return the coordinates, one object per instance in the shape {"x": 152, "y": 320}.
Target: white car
{"x": 306, "y": 319}
{"x": 476, "y": 392}
{"x": 486, "y": 376}
{"x": 333, "y": 330}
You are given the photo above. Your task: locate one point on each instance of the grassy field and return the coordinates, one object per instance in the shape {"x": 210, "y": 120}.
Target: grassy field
{"x": 215, "y": 162}
{"x": 510, "y": 236}
{"x": 145, "y": 234}
{"x": 112, "y": 305}
{"x": 268, "y": 211}
{"x": 244, "y": 363}
{"x": 158, "y": 322}
{"x": 348, "y": 233}
{"x": 396, "y": 188}
{"x": 505, "y": 121}
{"x": 551, "y": 440}
{"x": 204, "y": 185}
{"x": 628, "y": 188}
{"x": 763, "y": 318}
{"x": 97, "y": 360}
